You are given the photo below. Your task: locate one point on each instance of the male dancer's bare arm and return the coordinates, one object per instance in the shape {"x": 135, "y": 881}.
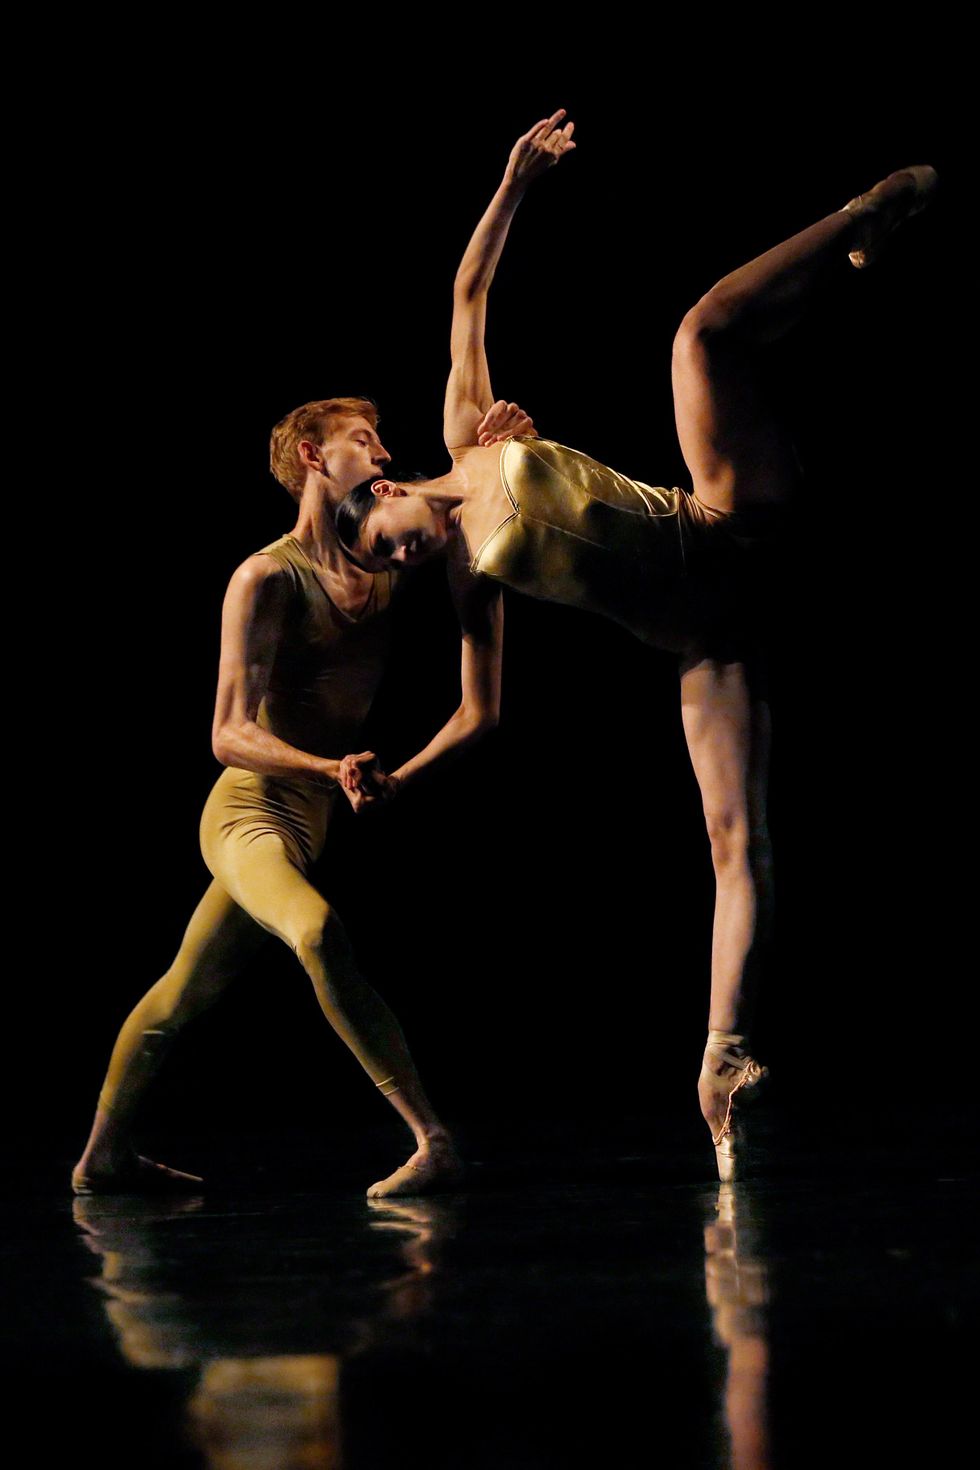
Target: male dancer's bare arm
{"x": 252, "y": 621}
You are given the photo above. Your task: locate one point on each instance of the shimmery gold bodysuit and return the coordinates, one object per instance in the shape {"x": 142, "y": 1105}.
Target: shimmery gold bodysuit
{"x": 660, "y": 562}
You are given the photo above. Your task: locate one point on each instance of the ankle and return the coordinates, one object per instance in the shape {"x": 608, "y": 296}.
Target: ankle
{"x": 105, "y": 1158}
{"x": 734, "y": 1041}
{"x": 434, "y": 1139}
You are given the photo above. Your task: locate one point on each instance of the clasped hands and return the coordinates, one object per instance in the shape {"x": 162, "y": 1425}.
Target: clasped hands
{"x": 364, "y": 783}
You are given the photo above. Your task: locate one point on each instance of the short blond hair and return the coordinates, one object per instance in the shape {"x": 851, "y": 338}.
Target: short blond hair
{"x": 314, "y": 421}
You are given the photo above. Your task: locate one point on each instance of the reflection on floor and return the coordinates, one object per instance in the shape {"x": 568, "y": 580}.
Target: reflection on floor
{"x": 258, "y": 1409}
{"x": 736, "y": 1284}
{"x": 547, "y": 1318}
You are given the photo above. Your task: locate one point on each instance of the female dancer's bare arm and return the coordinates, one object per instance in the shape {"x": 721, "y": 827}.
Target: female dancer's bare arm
{"x": 468, "y": 391}
{"x": 480, "y": 609}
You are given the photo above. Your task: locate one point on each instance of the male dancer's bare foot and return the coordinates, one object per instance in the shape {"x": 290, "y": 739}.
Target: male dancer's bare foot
{"x": 434, "y": 1165}
{"x": 898, "y": 197}
{"x": 132, "y": 1174}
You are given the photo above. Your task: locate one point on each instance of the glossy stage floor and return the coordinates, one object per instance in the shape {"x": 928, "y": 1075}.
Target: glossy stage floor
{"x": 607, "y": 1306}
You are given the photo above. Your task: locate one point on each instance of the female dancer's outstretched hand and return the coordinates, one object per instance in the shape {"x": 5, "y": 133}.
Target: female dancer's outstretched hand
{"x": 502, "y": 421}
{"x": 540, "y": 148}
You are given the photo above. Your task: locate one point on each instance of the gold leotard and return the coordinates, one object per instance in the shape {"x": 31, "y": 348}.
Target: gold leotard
{"x": 658, "y": 561}
{"x": 260, "y": 836}
{"x": 327, "y": 669}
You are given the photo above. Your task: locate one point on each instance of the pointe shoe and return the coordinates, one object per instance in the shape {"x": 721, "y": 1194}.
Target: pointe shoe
{"x": 886, "y": 206}
{"x": 740, "y": 1077}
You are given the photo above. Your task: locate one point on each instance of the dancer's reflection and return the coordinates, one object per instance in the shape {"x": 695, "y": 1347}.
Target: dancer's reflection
{"x": 269, "y": 1413}
{"x": 737, "y": 1290}
{"x": 269, "y": 1391}
{"x": 424, "y": 1226}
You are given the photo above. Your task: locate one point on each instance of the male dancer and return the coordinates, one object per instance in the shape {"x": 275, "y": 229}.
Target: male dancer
{"x": 302, "y": 653}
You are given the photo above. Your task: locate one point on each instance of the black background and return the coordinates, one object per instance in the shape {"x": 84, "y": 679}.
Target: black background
{"x": 232, "y": 225}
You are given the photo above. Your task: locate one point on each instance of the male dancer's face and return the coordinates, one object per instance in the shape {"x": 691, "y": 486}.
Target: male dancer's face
{"x": 350, "y": 454}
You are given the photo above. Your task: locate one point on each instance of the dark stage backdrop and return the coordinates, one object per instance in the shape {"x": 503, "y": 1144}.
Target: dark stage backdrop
{"x": 237, "y": 238}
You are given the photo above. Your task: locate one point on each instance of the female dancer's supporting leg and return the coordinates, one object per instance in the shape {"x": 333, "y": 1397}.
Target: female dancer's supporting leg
{"x": 739, "y": 455}
{"x": 727, "y": 727}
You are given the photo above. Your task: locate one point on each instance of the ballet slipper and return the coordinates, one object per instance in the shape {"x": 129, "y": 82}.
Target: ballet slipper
{"x": 139, "y": 1176}
{"x": 739, "y": 1077}
{"x": 879, "y": 212}
{"x": 423, "y": 1174}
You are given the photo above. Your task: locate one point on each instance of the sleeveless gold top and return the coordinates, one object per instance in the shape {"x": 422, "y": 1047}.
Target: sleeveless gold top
{"x": 658, "y": 561}
{"x": 329, "y": 663}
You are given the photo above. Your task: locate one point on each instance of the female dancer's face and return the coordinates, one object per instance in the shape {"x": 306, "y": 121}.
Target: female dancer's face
{"x": 401, "y": 531}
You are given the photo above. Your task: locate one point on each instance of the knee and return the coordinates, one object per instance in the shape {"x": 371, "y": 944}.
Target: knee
{"x": 704, "y": 326}
{"x": 737, "y": 843}
{"x": 318, "y": 936}
{"x": 730, "y": 837}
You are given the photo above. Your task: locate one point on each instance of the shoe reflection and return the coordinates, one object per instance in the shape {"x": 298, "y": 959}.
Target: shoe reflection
{"x": 263, "y": 1400}
{"x": 421, "y": 1227}
{"x": 737, "y": 1290}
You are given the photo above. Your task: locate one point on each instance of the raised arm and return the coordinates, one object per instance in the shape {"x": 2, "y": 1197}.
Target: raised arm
{"x": 468, "y": 392}
{"x": 252, "y": 621}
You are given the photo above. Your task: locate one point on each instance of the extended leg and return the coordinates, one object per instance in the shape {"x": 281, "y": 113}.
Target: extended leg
{"x": 218, "y": 941}
{"x": 265, "y": 880}
{"x": 728, "y": 736}
{"x": 735, "y": 448}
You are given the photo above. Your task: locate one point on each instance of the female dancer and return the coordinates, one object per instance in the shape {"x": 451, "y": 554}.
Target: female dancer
{"x": 673, "y": 566}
